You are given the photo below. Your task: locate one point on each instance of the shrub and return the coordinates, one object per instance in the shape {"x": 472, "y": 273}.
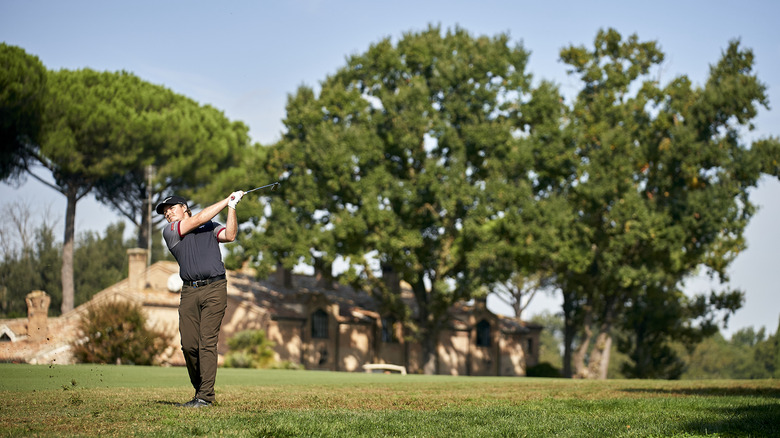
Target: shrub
{"x": 544, "y": 369}
{"x": 116, "y": 332}
{"x": 250, "y": 349}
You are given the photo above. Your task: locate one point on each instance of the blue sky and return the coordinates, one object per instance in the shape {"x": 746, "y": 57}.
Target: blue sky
{"x": 245, "y": 57}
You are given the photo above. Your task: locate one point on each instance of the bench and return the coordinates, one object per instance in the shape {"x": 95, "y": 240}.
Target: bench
{"x": 371, "y": 367}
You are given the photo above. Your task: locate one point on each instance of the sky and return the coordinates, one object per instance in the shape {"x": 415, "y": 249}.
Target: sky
{"x": 246, "y": 57}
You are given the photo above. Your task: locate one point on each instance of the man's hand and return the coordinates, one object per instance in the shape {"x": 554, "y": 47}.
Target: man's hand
{"x": 235, "y": 198}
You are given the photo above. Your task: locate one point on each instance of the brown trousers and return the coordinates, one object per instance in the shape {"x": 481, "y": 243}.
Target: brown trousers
{"x": 200, "y": 317}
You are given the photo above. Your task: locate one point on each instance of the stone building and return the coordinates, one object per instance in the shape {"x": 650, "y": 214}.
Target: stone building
{"x": 319, "y": 328}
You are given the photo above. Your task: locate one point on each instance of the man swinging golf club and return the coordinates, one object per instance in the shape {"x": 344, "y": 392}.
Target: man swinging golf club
{"x": 194, "y": 242}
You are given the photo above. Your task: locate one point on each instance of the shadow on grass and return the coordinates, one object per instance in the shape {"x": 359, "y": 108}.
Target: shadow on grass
{"x": 165, "y": 402}
{"x": 756, "y": 420}
{"x": 712, "y": 392}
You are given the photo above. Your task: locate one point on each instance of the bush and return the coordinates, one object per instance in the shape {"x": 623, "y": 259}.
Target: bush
{"x": 544, "y": 369}
{"x": 250, "y": 349}
{"x": 116, "y": 332}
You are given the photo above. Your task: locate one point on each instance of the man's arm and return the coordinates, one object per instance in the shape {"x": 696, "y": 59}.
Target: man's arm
{"x": 190, "y": 223}
{"x": 228, "y": 234}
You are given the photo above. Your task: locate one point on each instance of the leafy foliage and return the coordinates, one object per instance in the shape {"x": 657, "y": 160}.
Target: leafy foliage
{"x": 87, "y": 138}
{"x": 33, "y": 267}
{"x": 169, "y": 124}
{"x": 551, "y": 338}
{"x": 659, "y": 189}
{"x": 250, "y": 349}
{"x": 22, "y": 95}
{"x": 434, "y": 160}
{"x": 116, "y": 332}
{"x": 386, "y": 168}
{"x": 747, "y": 355}
{"x": 100, "y": 261}
{"x": 543, "y": 369}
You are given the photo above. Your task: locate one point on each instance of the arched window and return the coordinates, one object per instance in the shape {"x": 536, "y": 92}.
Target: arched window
{"x": 319, "y": 324}
{"x": 483, "y": 334}
{"x": 388, "y": 330}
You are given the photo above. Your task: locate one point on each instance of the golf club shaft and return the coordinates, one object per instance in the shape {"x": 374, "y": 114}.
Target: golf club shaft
{"x": 272, "y": 185}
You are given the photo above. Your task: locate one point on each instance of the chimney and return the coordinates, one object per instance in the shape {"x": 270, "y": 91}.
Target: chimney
{"x": 283, "y": 276}
{"x": 37, "y": 314}
{"x": 136, "y": 268}
{"x": 323, "y": 274}
{"x": 391, "y": 279}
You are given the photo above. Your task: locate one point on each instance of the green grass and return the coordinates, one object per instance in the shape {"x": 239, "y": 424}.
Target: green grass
{"x": 107, "y": 400}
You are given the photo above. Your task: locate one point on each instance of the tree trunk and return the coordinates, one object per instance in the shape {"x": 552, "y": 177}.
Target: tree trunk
{"x": 578, "y": 358}
{"x": 569, "y": 333}
{"x": 517, "y": 306}
{"x": 598, "y": 362}
{"x": 428, "y": 336}
{"x": 429, "y": 353}
{"x": 605, "y": 357}
{"x": 67, "y": 250}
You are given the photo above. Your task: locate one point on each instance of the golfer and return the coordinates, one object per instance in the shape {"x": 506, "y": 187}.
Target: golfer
{"x": 194, "y": 242}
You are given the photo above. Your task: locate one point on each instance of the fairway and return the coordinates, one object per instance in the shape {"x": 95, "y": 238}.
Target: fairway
{"x": 107, "y": 400}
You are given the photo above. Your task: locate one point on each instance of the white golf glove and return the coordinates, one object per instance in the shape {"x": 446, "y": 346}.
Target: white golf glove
{"x": 235, "y": 197}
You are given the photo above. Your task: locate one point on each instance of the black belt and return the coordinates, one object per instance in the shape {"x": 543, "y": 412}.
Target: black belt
{"x": 201, "y": 283}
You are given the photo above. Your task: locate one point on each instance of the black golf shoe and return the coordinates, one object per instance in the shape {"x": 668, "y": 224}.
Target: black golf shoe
{"x": 195, "y": 403}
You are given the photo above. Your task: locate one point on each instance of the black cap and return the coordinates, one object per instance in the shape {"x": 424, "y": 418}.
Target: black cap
{"x": 170, "y": 200}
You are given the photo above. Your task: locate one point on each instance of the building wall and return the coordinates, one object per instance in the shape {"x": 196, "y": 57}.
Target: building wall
{"x": 452, "y": 351}
{"x": 390, "y": 352}
{"x": 287, "y": 336}
{"x": 319, "y": 354}
{"x": 415, "y": 359}
{"x": 354, "y": 349}
{"x": 483, "y": 361}
{"x": 512, "y": 358}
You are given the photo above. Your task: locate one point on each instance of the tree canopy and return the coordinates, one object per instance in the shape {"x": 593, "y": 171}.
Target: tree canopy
{"x": 22, "y": 95}
{"x": 97, "y": 132}
{"x": 661, "y": 190}
{"x": 194, "y": 151}
{"x": 434, "y": 162}
{"x": 387, "y": 167}
{"x": 88, "y": 136}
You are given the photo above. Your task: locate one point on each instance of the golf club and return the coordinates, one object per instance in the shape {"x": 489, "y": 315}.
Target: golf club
{"x": 273, "y": 186}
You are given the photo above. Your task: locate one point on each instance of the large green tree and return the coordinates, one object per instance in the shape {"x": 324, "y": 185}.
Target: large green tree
{"x": 87, "y": 138}
{"x": 22, "y": 94}
{"x": 194, "y": 151}
{"x": 661, "y": 189}
{"x": 434, "y": 162}
{"x": 392, "y": 165}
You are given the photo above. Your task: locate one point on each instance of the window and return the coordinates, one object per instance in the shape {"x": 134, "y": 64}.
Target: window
{"x": 483, "y": 334}
{"x": 530, "y": 346}
{"x": 388, "y": 330}
{"x": 319, "y": 324}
